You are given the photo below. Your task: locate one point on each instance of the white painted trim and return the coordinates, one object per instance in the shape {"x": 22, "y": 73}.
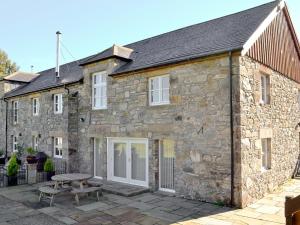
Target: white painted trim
{"x": 94, "y": 149}
{"x": 262, "y": 27}
{"x": 159, "y": 171}
{"x": 110, "y": 160}
{"x": 160, "y": 102}
{"x": 100, "y": 85}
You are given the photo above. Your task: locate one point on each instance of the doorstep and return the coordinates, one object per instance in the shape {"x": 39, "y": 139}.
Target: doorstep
{"x": 126, "y": 190}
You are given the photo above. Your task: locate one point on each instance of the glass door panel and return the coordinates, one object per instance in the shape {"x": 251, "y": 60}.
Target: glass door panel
{"x": 120, "y": 165}
{"x": 138, "y": 161}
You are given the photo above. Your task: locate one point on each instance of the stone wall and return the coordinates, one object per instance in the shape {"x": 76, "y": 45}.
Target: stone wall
{"x": 277, "y": 121}
{"x": 2, "y": 117}
{"x": 47, "y": 124}
{"x": 198, "y": 120}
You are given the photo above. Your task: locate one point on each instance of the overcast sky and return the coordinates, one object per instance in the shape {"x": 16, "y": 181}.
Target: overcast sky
{"x": 89, "y": 26}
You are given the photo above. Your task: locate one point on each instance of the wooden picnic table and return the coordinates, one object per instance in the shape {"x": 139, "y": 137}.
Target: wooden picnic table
{"x": 70, "y": 177}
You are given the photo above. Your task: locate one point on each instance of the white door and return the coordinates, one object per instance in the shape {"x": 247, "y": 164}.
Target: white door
{"x": 166, "y": 165}
{"x": 97, "y": 158}
{"x": 127, "y": 160}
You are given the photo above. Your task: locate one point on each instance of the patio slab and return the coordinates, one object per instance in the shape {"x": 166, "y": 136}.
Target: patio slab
{"x": 19, "y": 205}
{"x": 121, "y": 189}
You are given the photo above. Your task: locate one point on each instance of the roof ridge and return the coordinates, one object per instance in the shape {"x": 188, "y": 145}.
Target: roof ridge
{"x": 197, "y": 24}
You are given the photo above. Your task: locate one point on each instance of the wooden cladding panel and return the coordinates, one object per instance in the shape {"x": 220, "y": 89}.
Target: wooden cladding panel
{"x": 278, "y": 48}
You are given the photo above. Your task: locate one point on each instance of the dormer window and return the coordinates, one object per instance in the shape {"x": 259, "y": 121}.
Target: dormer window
{"x": 99, "y": 95}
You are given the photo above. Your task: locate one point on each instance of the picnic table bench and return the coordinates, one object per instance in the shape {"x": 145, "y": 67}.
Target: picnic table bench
{"x": 63, "y": 182}
{"x": 86, "y": 190}
{"x": 48, "y": 192}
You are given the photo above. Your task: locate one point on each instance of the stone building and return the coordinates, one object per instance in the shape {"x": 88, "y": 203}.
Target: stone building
{"x": 208, "y": 112}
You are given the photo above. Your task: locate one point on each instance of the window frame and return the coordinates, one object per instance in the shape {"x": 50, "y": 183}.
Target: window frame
{"x": 265, "y": 89}
{"x": 59, "y": 103}
{"x": 102, "y": 99}
{"x": 35, "y": 106}
{"x": 35, "y": 142}
{"x": 160, "y": 90}
{"x": 15, "y": 109}
{"x": 266, "y": 150}
{"x": 58, "y": 146}
{"x": 14, "y": 143}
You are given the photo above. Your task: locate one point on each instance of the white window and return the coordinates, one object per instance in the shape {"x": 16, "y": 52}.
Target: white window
{"x": 58, "y": 147}
{"x": 266, "y": 153}
{"x": 265, "y": 89}
{"x": 58, "y": 104}
{"x": 35, "y": 142}
{"x": 15, "y": 111}
{"x": 99, "y": 90}
{"x": 159, "y": 90}
{"x": 14, "y": 143}
{"x": 35, "y": 106}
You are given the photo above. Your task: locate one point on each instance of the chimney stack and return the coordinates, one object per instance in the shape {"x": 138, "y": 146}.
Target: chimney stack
{"x": 57, "y": 53}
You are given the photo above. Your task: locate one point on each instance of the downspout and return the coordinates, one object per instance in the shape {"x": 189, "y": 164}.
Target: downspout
{"x": 6, "y": 127}
{"x": 231, "y": 129}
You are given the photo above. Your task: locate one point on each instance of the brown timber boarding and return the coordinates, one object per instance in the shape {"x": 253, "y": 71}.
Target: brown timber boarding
{"x": 278, "y": 47}
{"x": 292, "y": 210}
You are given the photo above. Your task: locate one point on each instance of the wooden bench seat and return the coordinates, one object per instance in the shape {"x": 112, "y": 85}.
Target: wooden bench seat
{"x": 48, "y": 192}
{"x": 87, "y": 190}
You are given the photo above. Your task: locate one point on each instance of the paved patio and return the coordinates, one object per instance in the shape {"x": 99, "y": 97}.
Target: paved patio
{"x": 19, "y": 205}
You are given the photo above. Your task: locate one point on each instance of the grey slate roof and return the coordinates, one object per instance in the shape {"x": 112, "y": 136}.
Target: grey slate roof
{"x": 220, "y": 35}
{"x": 20, "y": 76}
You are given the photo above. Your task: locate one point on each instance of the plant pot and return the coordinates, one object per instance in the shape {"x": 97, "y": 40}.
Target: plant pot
{"x": 2, "y": 160}
{"x": 31, "y": 159}
{"x": 12, "y": 180}
{"x": 49, "y": 175}
{"x": 41, "y": 159}
{"x": 19, "y": 161}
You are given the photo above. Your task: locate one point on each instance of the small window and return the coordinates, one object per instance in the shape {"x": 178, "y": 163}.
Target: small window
{"x": 14, "y": 142}
{"x": 266, "y": 153}
{"x": 159, "y": 90}
{"x": 99, "y": 90}
{"x": 35, "y": 106}
{"x": 58, "y": 147}
{"x": 15, "y": 111}
{"x": 35, "y": 142}
{"x": 58, "y": 104}
{"x": 265, "y": 89}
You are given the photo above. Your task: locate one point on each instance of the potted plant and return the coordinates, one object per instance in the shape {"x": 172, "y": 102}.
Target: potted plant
{"x": 2, "y": 157}
{"x": 31, "y": 158}
{"x": 12, "y": 171}
{"x": 49, "y": 169}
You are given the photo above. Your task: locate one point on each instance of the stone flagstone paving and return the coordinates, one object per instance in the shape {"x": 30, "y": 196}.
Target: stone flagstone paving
{"x": 19, "y": 205}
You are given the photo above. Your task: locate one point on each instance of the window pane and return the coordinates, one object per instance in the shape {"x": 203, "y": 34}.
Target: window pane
{"x": 155, "y": 83}
{"x": 165, "y": 82}
{"x": 165, "y": 95}
{"x": 120, "y": 160}
{"x": 155, "y": 96}
{"x": 103, "y": 78}
{"x": 138, "y": 159}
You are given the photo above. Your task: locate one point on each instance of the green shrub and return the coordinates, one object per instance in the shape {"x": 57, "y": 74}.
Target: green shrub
{"x": 13, "y": 167}
{"x": 49, "y": 166}
{"x": 31, "y": 151}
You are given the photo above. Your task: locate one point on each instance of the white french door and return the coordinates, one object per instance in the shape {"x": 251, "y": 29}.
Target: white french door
{"x": 127, "y": 160}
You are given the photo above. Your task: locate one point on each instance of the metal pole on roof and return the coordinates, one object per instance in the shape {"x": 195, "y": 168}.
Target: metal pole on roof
{"x": 57, "y": 53}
